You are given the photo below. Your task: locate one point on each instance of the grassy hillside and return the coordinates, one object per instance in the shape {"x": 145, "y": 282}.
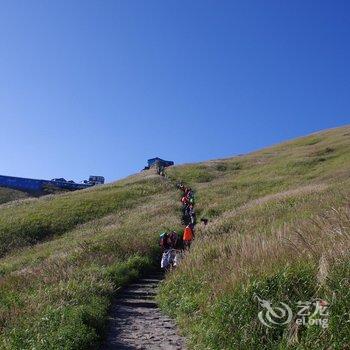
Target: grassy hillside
{"x": 280, "y": 229}
{"x": 8, "y": 195}
{"x": 272, "y": 231}
{"x": 31, "y": 221}
{"x": 64, "y": 256}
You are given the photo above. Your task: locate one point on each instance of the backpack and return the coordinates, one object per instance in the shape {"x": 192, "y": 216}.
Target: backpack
{"x": 163, "y": 240}
{"x": 173, "y": 239}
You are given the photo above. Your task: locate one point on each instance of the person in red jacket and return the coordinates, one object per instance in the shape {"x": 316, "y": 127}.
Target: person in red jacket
{"x": 184, "y": 201}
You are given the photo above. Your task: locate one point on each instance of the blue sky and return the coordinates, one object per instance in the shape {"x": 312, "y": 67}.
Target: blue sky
{"x": 97, "y": 87}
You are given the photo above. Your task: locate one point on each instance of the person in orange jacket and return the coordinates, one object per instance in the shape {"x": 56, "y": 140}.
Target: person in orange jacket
{"x": 188, "y": 236}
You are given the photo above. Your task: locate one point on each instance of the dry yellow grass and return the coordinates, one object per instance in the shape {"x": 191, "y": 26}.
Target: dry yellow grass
{"x": 279, "y": 227}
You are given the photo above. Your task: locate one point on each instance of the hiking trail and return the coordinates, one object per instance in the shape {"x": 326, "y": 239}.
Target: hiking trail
{"x": 136, "y": 322}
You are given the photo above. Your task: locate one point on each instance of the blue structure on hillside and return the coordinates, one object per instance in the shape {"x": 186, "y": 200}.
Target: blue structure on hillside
{"x": 159, "y": 162}
{"x": 39, "y": 187}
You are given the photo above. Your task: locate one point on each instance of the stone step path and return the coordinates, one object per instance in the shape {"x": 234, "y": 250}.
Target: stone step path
{"x": 136, "y": 322}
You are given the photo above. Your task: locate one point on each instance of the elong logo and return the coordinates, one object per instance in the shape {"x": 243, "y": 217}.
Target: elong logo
{"x": 310, "y": 313}
{"x": 274, "y": 315}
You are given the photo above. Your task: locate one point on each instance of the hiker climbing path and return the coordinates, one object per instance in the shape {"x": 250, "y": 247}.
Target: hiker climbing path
{"x": 135, "y": 320}
{"x": 137, "y": 323}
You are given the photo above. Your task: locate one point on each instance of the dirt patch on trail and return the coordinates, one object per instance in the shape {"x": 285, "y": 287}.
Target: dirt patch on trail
{"x": 136, "y": 322}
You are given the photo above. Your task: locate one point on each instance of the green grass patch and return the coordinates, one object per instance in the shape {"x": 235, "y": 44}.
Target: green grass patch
{"x": 8, "y": 195}
{"x": 75, "y": 316}
{"x": 32, "y": 221}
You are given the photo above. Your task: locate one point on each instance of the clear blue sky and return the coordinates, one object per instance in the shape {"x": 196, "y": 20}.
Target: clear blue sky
{"x": 97, "y": 87}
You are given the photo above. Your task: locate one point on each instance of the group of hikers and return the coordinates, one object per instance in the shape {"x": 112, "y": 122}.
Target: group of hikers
{"x": 173, "y": 244}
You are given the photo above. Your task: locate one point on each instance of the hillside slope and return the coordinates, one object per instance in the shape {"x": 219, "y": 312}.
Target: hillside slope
{"x": 63, "y": 256}
{"x": 279, "y": 230}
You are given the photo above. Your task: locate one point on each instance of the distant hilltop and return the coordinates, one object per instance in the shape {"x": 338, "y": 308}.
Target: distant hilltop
{"x": 158, "y": 162}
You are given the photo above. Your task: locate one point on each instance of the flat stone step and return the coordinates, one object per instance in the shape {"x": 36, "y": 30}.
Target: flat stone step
{"x": 138, "y": 303}
{"x": 143, "y": 286}
{"x": 136, "y": 295}
{"x": 150, "y": 280}
{"x": 140, "y": 290}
